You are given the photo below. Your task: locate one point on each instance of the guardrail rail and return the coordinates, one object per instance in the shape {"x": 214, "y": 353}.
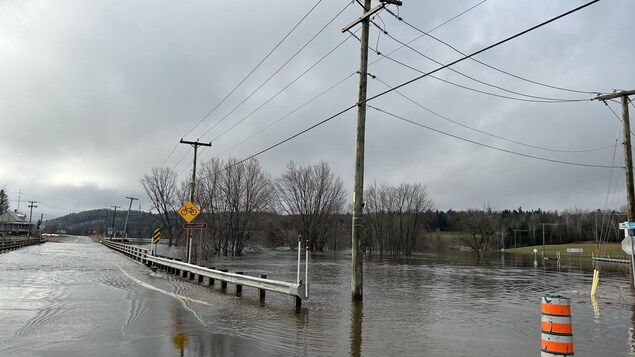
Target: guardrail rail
{"x": 178, "y": 267}
{"x": 6, "y": 246}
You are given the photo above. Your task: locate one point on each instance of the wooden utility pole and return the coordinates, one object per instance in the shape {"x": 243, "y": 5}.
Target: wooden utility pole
{"x": 31, "y": 206}
{"x": 628, "y": 163}
{"x": 543, "y": 235}
{"x": 518, "y": 230}
{"x": 114, "y": 213}
{"x": 125, "y": 225}
{"x": 195, "y": 145}
{"x": 357, "y": 279}
{"x": 20, "y": 193}
{"x": 628, "y": 155}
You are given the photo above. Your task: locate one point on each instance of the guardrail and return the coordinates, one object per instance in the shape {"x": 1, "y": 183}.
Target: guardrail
{"x": 177, "y": 267}
{"x": 6, "y": 246}
{"x": 611, "y": 260}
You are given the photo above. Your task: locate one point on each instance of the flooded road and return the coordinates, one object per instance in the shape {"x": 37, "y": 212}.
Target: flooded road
{"x": 77, "y": 297}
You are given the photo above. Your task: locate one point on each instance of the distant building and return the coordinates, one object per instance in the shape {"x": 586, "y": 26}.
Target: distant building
{"x": 12, "y": 222}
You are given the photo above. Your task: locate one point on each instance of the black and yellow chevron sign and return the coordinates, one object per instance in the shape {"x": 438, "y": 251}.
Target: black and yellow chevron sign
{"x": 156, "y": 237}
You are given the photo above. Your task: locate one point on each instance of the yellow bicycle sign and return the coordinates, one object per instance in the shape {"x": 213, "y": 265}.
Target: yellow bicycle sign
{"x": 189, "y": 211}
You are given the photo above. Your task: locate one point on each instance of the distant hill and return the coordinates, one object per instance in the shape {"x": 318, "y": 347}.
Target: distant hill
{"x": 140, "y": 224}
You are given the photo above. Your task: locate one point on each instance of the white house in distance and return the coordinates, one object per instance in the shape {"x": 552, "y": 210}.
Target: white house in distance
{"x": 13, "y": 223}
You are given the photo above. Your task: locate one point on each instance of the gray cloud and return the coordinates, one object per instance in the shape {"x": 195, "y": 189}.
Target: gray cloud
{"x": 95, "y": 94}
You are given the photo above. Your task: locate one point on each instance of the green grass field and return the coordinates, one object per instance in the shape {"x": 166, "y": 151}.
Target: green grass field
{"x": 613, "y": 250}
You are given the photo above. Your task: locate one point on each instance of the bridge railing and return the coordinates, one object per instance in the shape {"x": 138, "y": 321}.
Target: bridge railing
{"x": 298, "y": 290}
{"x": 16, "y": 244}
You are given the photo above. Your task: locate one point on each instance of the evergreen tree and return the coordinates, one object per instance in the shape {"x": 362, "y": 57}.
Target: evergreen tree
{"x": 4, "y": 201}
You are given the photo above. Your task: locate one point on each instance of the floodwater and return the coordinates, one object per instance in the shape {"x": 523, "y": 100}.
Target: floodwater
{"x": 78, "y": 298}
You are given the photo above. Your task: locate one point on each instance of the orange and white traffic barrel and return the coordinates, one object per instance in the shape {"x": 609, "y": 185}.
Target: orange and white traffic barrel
{"x": 556, "y": 328}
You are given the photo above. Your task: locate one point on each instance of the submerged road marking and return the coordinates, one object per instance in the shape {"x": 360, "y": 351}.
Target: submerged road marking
{"x": 151, "y": 287}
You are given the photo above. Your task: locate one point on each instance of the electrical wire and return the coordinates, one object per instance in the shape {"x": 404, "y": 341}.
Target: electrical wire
{"x": 246, "y": 77}
{"x": 432, "y": 29}
{"x": 282, "y": 90}
{"x": 293, "y": 136}
{"x": 606, "y": 202}
{"x": 276, "y": 72}
{"x": 57, "y": 207}
{"x": 423, "y": 33}
{"x": 482, "y": 131}
{"x": 288, "y": 114}
{"x": 536, "y": 99}
{"x": 496, "y": 44}
{"x": 507, "y": 39}
{"x": 613, "y": 111}
{"x": 490, "y": 146}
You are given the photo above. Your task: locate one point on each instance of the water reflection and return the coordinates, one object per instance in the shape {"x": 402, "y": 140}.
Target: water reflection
{"x": 180, "y": 338}
{"x": 596, "y": 309}
{"x": 357, "y": 316}
{"x": 631, "y": 336}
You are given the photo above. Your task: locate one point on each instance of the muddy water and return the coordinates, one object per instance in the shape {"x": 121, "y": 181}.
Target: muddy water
{"x": 77, "y": 298}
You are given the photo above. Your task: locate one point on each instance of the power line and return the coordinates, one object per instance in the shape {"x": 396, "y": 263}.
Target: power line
{"x": 490, "y": 146}
{"x": 418, "y": 78}
{"x": 246, "y": 77}
{"x": 615, "y": 114}
{"x": 352, "y": 34}
{"x": 277, "y": 71}
{"x": 485, "y": 132}
{"x": 423, "y": 33}
{"x": 536, "y": 99}
{"x": 293, "y": 136}
{"x": 485, "y": 49}
{"x": 57, "y": 207}
{"x": 432, "y": 29}
{"x": 289, "y": 114}
{"x": 282, "y": 90}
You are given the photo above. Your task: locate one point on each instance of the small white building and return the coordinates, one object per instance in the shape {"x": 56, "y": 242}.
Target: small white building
{"x": 13, "y": 222}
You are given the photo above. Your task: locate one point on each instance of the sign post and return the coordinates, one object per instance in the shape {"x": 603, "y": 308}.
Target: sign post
{"x": 156, "y": 237}
{"x": 627, "y": 243}
{"x": 188, "y": 212}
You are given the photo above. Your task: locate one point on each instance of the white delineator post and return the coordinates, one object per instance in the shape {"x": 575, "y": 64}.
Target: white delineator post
{"x": 297, "y": 280}
{"x": 306, "y": 271}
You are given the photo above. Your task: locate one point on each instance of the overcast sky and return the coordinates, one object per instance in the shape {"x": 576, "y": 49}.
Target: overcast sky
{"x": 94, "y": 94}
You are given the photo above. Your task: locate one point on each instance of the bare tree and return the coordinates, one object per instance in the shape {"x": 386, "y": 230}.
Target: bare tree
{"x": 312, "y": 195}
{"x": 395, "y": 215}
{"x": 232, "y": 193}
{"x": 161, "y": 187}
{"x": 482, "y": 227}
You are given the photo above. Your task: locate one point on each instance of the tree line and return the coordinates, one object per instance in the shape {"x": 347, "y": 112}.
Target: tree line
{"x": 240, "y": 203}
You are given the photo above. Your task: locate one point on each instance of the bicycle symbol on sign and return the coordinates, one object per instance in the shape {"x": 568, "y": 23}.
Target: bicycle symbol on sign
{"x": 189, "y": 210}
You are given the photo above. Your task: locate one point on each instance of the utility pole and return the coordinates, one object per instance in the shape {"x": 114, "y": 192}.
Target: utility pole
{"x": 113, "y": 221}
{"x": 628, "y": 156}
{"x": 195, "y": 145}
{"x": 20, "y": 193}
{"x": 357, "y": 279}
{"x": 543, "y": 235}
{"x": 628, "y": 162}
{"x": 31, "y": 205}
{"x": 125, "y": 226}
{"x": 518, "y": 230}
